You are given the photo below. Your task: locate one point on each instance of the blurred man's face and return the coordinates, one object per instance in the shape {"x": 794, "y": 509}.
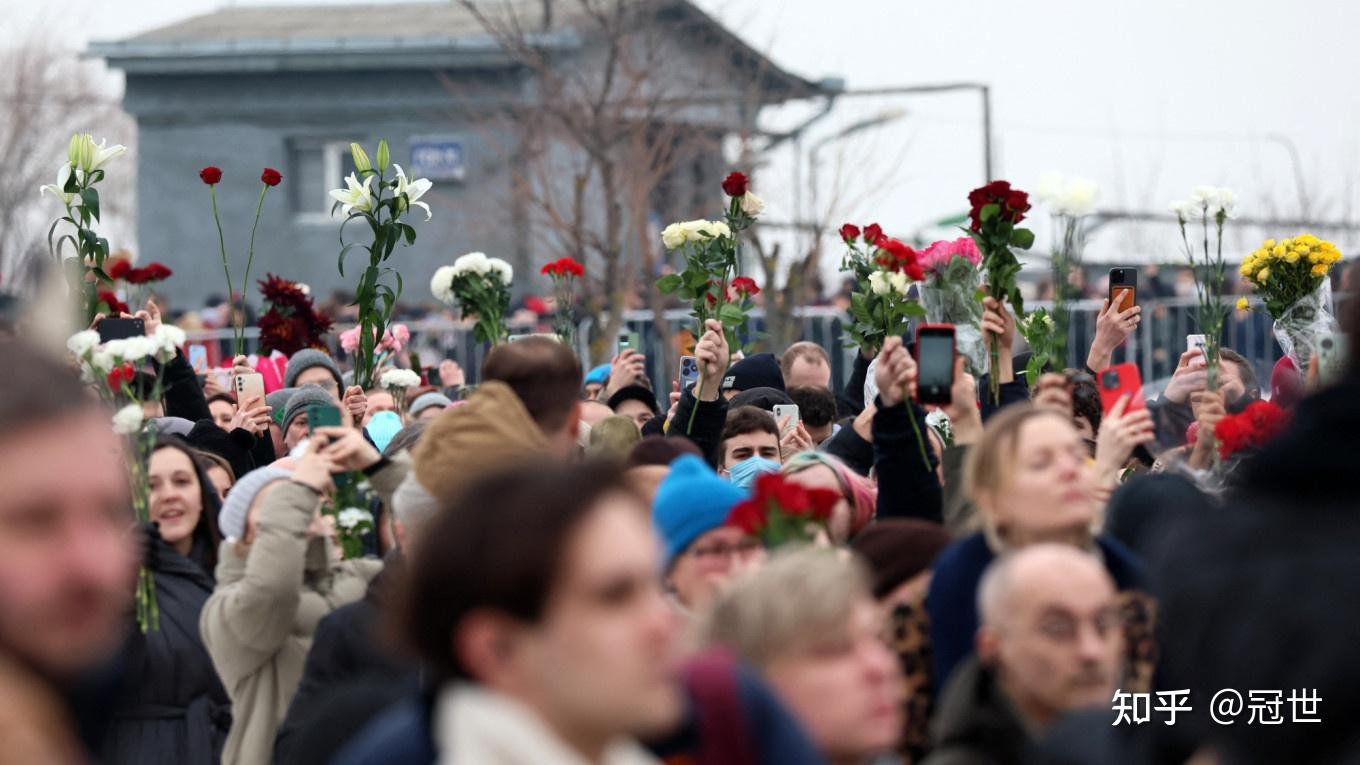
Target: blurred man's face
{"x": 319, "y": 376}
{"x": 747, "y": 445}
{"x": 1059, "y": 643}
{"x": 379, "y": 401}
{"x": 709, "y": 561}
{"x": 592, "y": 390}
{"x": 222, "y": 412}
{"x": 594, "y": 411}
{"x": 808, "y": 371}
{"x": 429, "y": 413}
{"x": 844, "y": 686}
{"x": 635, "y": 411}
{"x": 67, "y": 555}
{"x": 297, "y": 432}
{"x": 600, "y": 661}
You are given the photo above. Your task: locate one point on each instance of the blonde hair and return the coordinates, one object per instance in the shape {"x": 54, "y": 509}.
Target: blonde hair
{"x": 798, "y": 596}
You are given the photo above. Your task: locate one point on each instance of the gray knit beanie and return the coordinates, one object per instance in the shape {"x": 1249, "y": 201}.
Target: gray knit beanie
{"x": 278, "y": 402}
{"x": 232, "y": 519}
{"x": 306, "y": 359}
{"x": 305, "y": 396}
{"x": 426, "y": 400}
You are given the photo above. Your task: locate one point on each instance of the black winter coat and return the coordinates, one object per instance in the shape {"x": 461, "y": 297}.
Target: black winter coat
{"x": 174, "y": 709}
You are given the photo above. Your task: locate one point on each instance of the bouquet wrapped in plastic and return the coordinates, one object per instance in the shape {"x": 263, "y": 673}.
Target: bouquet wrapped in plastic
{"x": 951, "y": 294}
{"x": 1291, "y": 279}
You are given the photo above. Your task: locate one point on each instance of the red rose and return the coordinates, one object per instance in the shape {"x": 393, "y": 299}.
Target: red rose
{"x": 823, "y": 501}
{"x": 210, "y": 175}
{"x": 735, "y": 184}
{"x": 270, "y": 176}
{"x": 849, "y": 232}
{"x": 745, "y": 285}
{"x": 915, "y": 271}
{"x": 748, "y": 515}
{"x": 157, "y": 272}
{"x": 115, "y": 306}
{"x": 119, "y": 270}
{"x": 872, "y": 233}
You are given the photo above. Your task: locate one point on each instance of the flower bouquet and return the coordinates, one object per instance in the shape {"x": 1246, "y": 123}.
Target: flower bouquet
{"x": 1210, "y": 207}
{"x": 1250, "y": 428}
{"x": 351, "y": 524}
{"x": 479, "y": 286}
{"x": 783, "y": 511}
{"x": 75, "y": 187}
{"x": 394, "y": 339}
{"x": 1040, "y": 331}
{"x": 111, "y": 368}
{"x": 379, "y": 201}
{"x": 291, "y": 323}
{"x": 996, "y": 211}
{"x": 952, "y": 294}
{"x": 1291, "y": 278}
{"x": 398, "y": 382}
{"x": 269, "y": 178}
{"x": 564, "y": 272}
{"x": 884, "y": 269}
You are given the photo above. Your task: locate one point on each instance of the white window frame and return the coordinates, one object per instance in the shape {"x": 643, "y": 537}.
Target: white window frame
{"x": 332, "y": 154}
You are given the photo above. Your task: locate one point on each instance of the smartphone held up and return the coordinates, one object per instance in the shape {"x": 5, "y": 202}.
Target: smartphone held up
{"x": 935, "y": 363}
{"x": 1123, "y": 288}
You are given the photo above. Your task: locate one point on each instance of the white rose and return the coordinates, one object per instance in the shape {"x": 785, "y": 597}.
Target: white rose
{"x": 399, "y": 378}
{"x": 695, "y": 230}
{"x": 899, "y": 282}
{"x": 674, "y": 236}
{"x": 82, "y": 343}
{"x": 502, "y": 269}
{"x": 349, "y": 518}
{"x": 719, "y": 229}
{"x": 441, "y": 284}
{"x": 752, "y": 205}
{"x": 128, "y": 420}
{"x": 878, "y": 283}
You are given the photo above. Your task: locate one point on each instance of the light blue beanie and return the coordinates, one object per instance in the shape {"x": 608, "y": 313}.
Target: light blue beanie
{"x": 231, "y": 521}
{"x": 598, "y": 374}
{"x": 691, "y": 501}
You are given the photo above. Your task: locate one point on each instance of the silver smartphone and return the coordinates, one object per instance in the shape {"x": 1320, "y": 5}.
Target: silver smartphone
{"x": 1333, "y": 353}
{"x": 1195, "y": 343}
{"x": 791, "y": 412}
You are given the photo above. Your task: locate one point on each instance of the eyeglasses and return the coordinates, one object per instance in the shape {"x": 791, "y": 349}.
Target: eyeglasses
{"x": 721, "y": 550}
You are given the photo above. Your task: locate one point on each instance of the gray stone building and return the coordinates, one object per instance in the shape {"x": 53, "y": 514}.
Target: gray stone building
{"x": 290, "y": 87}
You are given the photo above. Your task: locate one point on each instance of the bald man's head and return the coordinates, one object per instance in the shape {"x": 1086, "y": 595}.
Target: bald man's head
{"x": 1050, "y": 629}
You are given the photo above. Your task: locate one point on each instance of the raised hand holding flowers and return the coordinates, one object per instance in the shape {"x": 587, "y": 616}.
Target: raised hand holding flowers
{"x": 480, "y": 287}
{"x": 269, "y": 178}
{"x": 1290, "y": 277}
{"x": 380, "y": 202}
{"x": 995, "y": 213}
{"x": 885, "y": 269}
{"x": 75, "y": 188}
{"x": 564, "y": 272}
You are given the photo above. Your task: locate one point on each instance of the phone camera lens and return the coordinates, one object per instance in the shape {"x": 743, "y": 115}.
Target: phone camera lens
{"x": 1326, "y": 343}
{"x": 1110, "y": 380}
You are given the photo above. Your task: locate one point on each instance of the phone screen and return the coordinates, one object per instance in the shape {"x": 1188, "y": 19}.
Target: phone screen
{"x": 198, "y": 358}
{"x": 322, "y": 416}
{"x": 935, "y": 366}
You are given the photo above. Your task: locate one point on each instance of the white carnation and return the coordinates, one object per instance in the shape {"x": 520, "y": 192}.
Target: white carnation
{"x": 1072, "y": 197}
{"x": 350, "y": 518}
{"x": 441, "y": 284}
{"x": 131, "y": 348}
{"x": 399, "y": 378}
{"x": 82, "y": 343}
{"x": 169, "y": 338}
{"x": 472, "y": 263}
{"x": 502, "y": 269}
{"x": 101, "y": 361}
{"x": 128, "y": 420}
{"x": 752, "y": 205}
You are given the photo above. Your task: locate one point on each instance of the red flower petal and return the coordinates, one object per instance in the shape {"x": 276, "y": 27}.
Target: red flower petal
{"x": 210, "y": 175}
{"x": 735, "y": 184}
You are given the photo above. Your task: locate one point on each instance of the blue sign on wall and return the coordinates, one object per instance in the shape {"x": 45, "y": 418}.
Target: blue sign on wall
{"x": 438, "y": 158}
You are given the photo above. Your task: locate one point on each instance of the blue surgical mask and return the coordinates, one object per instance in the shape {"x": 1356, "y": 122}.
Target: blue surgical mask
{"x": 382, "y": 428}
{"x": 745, "y": 473}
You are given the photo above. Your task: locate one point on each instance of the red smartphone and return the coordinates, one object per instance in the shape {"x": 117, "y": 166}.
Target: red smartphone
{"x": 1125, "y": 281}
{"x": 934, "y": 363}
{"x": 1117, "y": 381}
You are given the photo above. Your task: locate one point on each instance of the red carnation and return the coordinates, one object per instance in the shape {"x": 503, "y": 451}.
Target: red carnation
{"x": 271, "y": 177}
{"x": 872, "y": 233}
{"x": 549, "y": 269}
{"x": 735, "y": 184}
{"x": 119, "y": 270}
{"x": 849, "y": 232}
{"x": 576, "y": 268}
{"x": 138, "y": 276}
{"x": 745, "y": 285}
{"x": 157, "y": 272}
{"x": 120, "y": 375}
{"x": 210, "y": 175}
{"x": 115, "y": 306}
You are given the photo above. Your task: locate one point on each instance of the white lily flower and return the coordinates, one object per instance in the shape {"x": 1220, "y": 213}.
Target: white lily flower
{"x": 128, "y": 420}
{"x": 503, "y": 270}
{"x": 82, "y": 343}
{"x": 441, "y": 284}
{"x": 356, "y": 195}
{"x": 102, "y": 155}
{"x": 58, "y": 189}
{"x": 413, "y": 190}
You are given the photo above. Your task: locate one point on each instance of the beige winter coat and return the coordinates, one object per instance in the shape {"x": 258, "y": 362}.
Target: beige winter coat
{"x": 259, "y": 622}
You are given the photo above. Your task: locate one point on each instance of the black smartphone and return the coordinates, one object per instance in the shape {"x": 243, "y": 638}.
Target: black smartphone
{"x": 1123, "y": 280}
{"x": 432, "y": 377}
{"x": 322, "y": 416}
{"x": 935, "y": 363}
{"x": 120, "y": 329}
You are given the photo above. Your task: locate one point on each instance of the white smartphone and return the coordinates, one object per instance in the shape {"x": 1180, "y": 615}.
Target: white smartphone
{"x": 1332, "y": 355}
{"x": 249, "y": 386}
{"x": 790, "y": 411}
{"x": 1195, "y": 343}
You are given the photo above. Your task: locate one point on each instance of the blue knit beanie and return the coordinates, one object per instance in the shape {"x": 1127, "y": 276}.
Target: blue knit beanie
{"x": 691, "y": 501}
{"x": 598, "y": 375}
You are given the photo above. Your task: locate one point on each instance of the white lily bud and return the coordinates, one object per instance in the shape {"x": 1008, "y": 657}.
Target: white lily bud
{"x": 73, "y": 149}
{"x": 361, "y": 162}
{"x": 383, "y": 155}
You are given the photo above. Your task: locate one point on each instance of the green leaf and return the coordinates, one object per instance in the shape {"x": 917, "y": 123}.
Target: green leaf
{"x": 410, "y": 233}
{"x": 989, "y": 211}
{"x": 90, "y": 199}
{"x": 730, "y": 314}
{"x": 1022, "y": 238}
{"x": 669, "y": 283}
{"x": 345, "y": 251}
{"x": 914, "y": 310}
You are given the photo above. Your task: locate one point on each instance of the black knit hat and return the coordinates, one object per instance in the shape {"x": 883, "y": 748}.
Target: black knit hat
{"x": 634, "y": 393}
{"x": 758, "y": 371}
{"x": 760, "y": 398}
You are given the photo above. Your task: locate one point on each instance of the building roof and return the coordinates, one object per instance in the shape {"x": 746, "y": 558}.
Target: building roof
{"x": 428, "y": 34}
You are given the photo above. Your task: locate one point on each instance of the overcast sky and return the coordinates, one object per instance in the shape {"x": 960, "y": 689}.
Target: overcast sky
{"x": 1148, "y": 98}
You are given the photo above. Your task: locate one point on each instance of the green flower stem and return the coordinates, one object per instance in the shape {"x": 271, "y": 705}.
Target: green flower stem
{"x": 236, "y": 331}
{"x": 916, "y": 426}
{"x": 250, "y": 257}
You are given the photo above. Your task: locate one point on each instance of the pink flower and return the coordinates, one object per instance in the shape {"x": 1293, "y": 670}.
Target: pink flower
{"x": 937, "y": 256}
{"x": 349, "y": 340}
{"x": 396, "y": 337}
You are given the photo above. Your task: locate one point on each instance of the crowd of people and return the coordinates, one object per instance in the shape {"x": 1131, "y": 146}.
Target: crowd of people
{"x": 553, "y": 574}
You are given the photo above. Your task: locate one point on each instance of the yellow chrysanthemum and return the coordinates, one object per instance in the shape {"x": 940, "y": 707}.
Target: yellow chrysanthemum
{"x": 1317, "y": 257}
{"x": 1320, "y": 270}
{"x": 1248, "y": 267}
{"x": 1268, "y": 243}
{"x": 1279, "y": 250}
{"x": 1242, "y": 304}
{"x": 1262, "y": 275}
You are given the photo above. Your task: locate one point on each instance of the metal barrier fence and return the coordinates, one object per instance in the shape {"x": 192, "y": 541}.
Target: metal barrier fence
{"x": 1155, "y": 346}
